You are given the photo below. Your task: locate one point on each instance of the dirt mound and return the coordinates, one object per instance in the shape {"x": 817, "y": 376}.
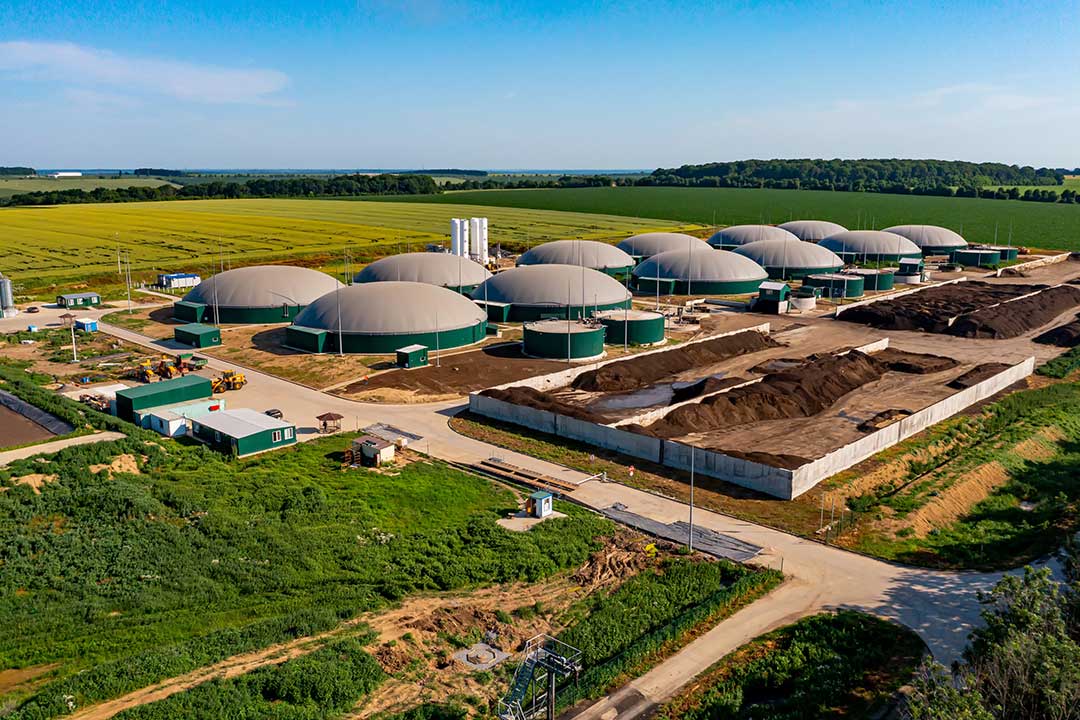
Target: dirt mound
{"x": 977, "y": 374}
{"x": 914, "y": 363}
{"x": 781, "y": 460}
{"x": 625, "y": 557}
{"x": 1015, "y": 318}
{"x": 703, "y": 387}
{"x": 642, "y": 371}
{"x": 931, "y": 310}
{"x": 1067, "y": 335}
{"x": 530, "y": 397}
{"x": 883, "y": 419}
{"x": 802, "y": 392}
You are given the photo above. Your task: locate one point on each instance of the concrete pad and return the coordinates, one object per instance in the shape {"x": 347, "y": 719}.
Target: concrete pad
{"x": 521, "y": 521}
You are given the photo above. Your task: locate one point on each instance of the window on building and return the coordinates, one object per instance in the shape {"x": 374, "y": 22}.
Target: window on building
{"x": 277, "y": 436}
{"x": 288, "y": 433}
{"x": 217, "y": 436}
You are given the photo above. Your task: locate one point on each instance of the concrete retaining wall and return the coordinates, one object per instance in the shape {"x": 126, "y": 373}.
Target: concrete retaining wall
{"x": 1032, "y": 264}
{"x": 893, "y": 296}
{"x": 745, "y": 473}
{"x": 812, "y": 473}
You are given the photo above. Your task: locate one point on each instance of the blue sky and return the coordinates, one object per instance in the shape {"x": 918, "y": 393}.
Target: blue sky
{"x": 437, "y": 83}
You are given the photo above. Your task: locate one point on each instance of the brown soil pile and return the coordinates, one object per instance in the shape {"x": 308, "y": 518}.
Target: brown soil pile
{"x": 625, "y": 557}
{"x": 530, "y": 397}
{"x": 643, "y": 371}
{"x": 883, "y": 419}
{"x": 703, "y": 387}
{"x": 977, "y": 374}
{"x": 930, "y": 310}
{"x": 781, "y": 460}
{"x": 801, "y": 392}
{"x": 914, "y": 363}
{"x": 1067, "y": 335}
{"x": 1018, "y": 317}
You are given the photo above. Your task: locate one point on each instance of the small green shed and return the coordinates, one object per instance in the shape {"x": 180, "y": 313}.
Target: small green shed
{"x": 243, "y": 431}
{"x": 773, "y": 291}
{"x": 412, "y": 356}
{"x": 78, "y": 300}
{"x": 166, "y": 392}
{"x": 305, "y": 338}
{"x": 188, "y": 311}
{"x": 198, "y": 335}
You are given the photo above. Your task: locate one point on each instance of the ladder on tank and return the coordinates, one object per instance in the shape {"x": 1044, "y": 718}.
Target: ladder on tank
{"x": 548, "y": 661}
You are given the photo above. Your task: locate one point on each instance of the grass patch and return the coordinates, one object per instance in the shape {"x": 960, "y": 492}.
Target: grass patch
{"x": 846, "y": 665}
{"x": 1062, "y": 366}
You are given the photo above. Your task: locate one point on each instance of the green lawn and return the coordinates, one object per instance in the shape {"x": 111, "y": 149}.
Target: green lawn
{"x": 124, "y": 579}
{"x": 1042, "y": 225}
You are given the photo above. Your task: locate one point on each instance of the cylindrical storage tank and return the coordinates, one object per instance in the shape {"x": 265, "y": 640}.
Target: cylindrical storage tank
{"x": 876, "y": 280}
{"x": 713, "y": 272}
{"x": 645, "y": 245}
{"x": 871, "y": 246}
{"x": 1007, "y": 252}
{"x": 736, "y": 235}
{"x": 259, "y": 293}
{"x": 931, "y": 239}
{"x": 634, "y": 327}
{"x": 791, "y": 259}
{"x": 454, "y": 272}
{"x": 7, "y": 296}
{"x": 535, "y": 292}
{"x": 583, "y": 253}
{"x": 380, "y": 317}
{"x": 836, "y": 284}
{"x": 812, "y": 230}
{"x": 976, "y": 258}
{"x": 564, "y": 340}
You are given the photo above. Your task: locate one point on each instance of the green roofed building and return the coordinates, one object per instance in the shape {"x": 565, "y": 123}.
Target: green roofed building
{"x": 255, "y": 294}
{"x": 243, "y": 432}
{"x": 380, "y": 317}
{"x": 78, "y": 300}
{"x": 198, "y": 335}
{"x": 166, "y": 392}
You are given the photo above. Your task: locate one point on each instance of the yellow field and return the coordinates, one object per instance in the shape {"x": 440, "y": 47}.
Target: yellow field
{"x": 70, "y": 240}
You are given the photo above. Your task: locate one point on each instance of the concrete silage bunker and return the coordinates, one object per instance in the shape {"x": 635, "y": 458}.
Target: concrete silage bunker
{"x": 254, "y": 294}
{"x": 453, "y": 272}
{"x": 712, "y": 272}
{"x": 605, "y": 258}
{"x": 537, "y": 292}
{"x": 381, "y": 317}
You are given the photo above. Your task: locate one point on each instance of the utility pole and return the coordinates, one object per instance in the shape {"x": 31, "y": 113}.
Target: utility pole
{"x": 438, "y": 355}
{"x": 690, "y": 539}
{"x": 74, "y": 351}
{"x": 127, "y": 257}
{"x": 337, "y": 300}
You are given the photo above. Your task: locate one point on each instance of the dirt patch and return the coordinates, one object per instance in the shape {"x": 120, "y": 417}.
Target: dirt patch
{"x": 640, "y": 372}
{"x": 705, "y": 386}
{"x": 19, "y": 430}
{"x": 23, "y": 678}
{"x": 931, "y": 310}
{"x": 1018, "y": 317}
{"x": 801, "y": 392}
{"x": 914, "y": 363}
{"x": 458, "y": 374}
{"x": 125, "y": 463}
{"x": 957, "y": 500}
{"x": 1067, "y": 335}
{"x": 1041, "y": 446}
{"x": 883, "y": 419}
{"x": 977, "y": 374}
{"x": 34, "y": 480}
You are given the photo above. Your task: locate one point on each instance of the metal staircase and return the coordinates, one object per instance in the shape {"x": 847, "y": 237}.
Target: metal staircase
{"x": 547, "y": 662}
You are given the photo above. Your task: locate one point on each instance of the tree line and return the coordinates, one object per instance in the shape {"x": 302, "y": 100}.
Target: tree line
{"x": 16, "y": 170}
{"x": 345, "y": 185}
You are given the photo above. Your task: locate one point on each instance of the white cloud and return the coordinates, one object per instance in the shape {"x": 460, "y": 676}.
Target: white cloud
{"x": 70, "y": 63}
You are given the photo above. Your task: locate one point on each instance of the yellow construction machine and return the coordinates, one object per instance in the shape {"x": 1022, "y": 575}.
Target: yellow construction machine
{"x": 229, "y": 380}
{"x": 167, "y": 367}
{"x": 143, "y": 372}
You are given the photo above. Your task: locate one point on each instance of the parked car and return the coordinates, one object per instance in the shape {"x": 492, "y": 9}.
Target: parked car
{"x": 274, "y": 413}
{"x": 33, "y": 309}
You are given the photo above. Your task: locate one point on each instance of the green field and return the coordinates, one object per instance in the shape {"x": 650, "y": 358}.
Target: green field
{"x": 51, "y": 242}
{"x": 1041, "y": 225}
{"x": 17, "y": 185}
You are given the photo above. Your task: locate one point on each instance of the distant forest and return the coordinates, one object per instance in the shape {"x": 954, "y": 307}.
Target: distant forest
{"x": 447, "y": 171}
{"x": 17, "y": 171}
{"x": 345, "y": 185}
{"x": 158, "y": 172}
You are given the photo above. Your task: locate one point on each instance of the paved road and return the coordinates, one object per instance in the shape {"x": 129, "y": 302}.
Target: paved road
{"x": 941, "y": 606}
{"x": 55, "y": 446}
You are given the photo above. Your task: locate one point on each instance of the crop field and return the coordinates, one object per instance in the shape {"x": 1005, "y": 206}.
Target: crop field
{"x": 16, "y": 186}
{"x": 1040, "y": 225}
{"x": 44, "y": 242}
